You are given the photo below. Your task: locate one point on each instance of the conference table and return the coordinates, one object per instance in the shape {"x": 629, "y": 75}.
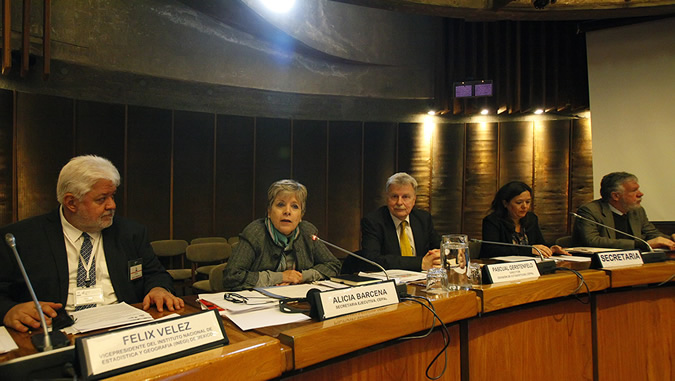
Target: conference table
{"x": 532, "y": 329}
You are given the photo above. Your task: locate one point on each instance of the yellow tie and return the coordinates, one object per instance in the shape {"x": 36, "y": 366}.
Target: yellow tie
{"x": 406, "y": 250}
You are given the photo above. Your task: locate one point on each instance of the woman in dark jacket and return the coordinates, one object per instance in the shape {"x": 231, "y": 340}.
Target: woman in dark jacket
{"x": 512, "y": 222}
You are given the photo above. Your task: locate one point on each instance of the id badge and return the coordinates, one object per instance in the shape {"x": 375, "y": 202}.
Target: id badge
{"x": 88, "y": 295}
{"x": 135, "y": 269}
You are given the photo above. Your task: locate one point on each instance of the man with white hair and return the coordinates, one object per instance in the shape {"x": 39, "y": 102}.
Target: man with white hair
{"x": 399, "y": 236}
{"x": 81, "y": 255}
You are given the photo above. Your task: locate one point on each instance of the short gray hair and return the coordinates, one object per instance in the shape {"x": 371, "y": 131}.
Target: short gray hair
{"x": 613, "y": 182}
{"x": 81, "y": 173}
{"x": 400, "y": 179}
{"x": 290, "y": 186}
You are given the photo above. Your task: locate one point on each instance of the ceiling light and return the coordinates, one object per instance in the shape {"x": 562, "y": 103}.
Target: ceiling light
{"x": 484, "y": 111}
{"x": 278, "y": 6}
{"x": 539, "y": 111}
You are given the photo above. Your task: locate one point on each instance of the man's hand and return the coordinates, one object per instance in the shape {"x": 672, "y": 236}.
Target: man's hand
{"x": 661, "y": 242}
{"x": 545, "y": 251}
{"x": 559, "y": 250}
{"x": 291, "y": 277}
{"x": 431, "y": 259}
{"x": 25, "y": 316}
{"x": 159, "y": 297}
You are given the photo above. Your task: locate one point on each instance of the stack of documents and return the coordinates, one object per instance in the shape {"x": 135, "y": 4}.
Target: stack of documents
{"x": 400, "y": 276}
{"x": 111, "y": 315}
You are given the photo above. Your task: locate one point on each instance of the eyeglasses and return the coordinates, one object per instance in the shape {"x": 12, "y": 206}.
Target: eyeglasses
{"x": 241, "y": 299}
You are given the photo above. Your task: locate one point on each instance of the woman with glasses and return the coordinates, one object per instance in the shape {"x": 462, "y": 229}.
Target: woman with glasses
{"x": 278, "y": 249}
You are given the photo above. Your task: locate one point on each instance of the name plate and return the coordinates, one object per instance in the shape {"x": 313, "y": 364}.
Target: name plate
{"x": 332, "y": 303}
{"x": 618, "y": 259}
{"x": 512, "y": 271}
{"x": 126, "y": 349}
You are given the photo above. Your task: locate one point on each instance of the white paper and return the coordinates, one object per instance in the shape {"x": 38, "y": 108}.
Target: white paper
{"x": 400, "y": 276}
{"x": 589, "y": 250}
{"x": 263, "y": 318}
{"x": 111, "y": 315}
{"x": 258, "y": 301}
{"x": 7, "y": 344}
{"x": 519, "y": 258}
{"x": 292, "y": 291}
{"x": 572, "y": 258}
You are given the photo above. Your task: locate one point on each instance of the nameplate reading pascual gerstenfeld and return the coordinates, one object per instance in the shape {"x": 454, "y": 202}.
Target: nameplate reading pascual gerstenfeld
{"x": 349, "y": 300}
{"x": 513, "y": 271}
{"x": 620, "y": 258}
{"x": 142, "y": 344}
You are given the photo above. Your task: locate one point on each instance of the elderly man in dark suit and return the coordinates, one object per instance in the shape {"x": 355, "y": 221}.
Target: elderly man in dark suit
{"x": 619, "y": 208}
{"x": 81, "y": 255}
{"x": 398, "y": 236}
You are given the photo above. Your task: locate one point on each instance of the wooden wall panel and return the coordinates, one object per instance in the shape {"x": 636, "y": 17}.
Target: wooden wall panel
{"x": 44, "y": 144}
{"x": 148, "y": 198}
{"x": 448, "y": 178}
{"x": 235, "y": 173}
{"x": 193, "y": 202}
{"x": 581, "y": 167}
{"x": 480, "y": 173}
{"x": 418, "y": 150}
{"x": 551, "y": 157}
{"x": 379, "y": 162}
{"x": 309, "y": 167}
{"x": 344, "y": 185}
{"x": 515, "y": 153}
{"x": 6, "y": 156}
{"x": 99, "y": 130}
{"x": 273, "y": 148}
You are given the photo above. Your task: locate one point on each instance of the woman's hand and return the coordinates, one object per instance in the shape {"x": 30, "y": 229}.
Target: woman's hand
{"x": 545, "y": 251}
{"x": 559, "y": 250}
{"x": 292, "y": 277}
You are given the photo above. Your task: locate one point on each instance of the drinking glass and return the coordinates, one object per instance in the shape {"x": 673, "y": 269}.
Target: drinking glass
{"x": 437, "y": 280}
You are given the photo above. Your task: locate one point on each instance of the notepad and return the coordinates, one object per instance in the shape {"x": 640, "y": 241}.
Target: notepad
{"x": 354, "y": 280}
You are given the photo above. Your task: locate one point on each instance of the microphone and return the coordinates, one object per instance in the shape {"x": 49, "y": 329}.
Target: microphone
{"x": 616, "y": 230}
{"x": 545, "y": 267}
{"x": 316, "y": 238}
{"x": 59, "y": 337}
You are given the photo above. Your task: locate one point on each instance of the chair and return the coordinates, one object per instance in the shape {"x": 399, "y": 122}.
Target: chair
{"x": 172, "y": 248}
{"x": 565, "y": 241}
{"x": 233, "y": 240}
{"x": 207, "y": 240}
{"x": 210, "y": 253}
{"x": 216, "y": 279}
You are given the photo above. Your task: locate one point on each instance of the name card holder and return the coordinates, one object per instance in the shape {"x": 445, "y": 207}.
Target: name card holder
{"x": 343, "y": 301}
{"x": 612, "y": 259}
{"x": 119, "y": 351}
{"x": 510, "y": 271}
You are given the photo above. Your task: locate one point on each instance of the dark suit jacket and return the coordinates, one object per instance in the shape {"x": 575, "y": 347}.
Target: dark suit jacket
{"x": 497, "y": 229}
{"x": 585, "y": 233}
{"x": 41, "y": 245}
{"x": 379, "y": 241}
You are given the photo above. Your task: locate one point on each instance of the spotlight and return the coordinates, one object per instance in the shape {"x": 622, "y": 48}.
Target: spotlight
{"x": 431, "y": 112}
{"x": 541, "y": 4}
{"x": 539, "y": 111}
{"x": 484, "y": 111}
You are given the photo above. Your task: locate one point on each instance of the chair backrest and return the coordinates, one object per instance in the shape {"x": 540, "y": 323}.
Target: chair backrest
{"x": 216, "y": 278}
{"x": 207, "y": 240}
{"x": 233, "y": 240}
{"x": 169, "y": 247}
{"x": 565, "y": 241}
{"x": 208, "y": 252}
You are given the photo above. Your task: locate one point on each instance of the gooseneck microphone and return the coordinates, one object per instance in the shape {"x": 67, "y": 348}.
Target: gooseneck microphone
{"x": 616, "y": 230}
{"x": 541, "y": 256}
{"x": 11, "y": 242}
{"x": 316, "y": 238}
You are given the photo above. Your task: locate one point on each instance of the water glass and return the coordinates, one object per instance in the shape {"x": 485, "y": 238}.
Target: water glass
{"x": 455, "y": 260}
{"x": 475, "y": 274}
{"x": 437, "y": 280}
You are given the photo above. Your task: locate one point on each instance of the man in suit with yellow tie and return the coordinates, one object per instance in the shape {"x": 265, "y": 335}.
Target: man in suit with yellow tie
{"x": 399, "y": 236}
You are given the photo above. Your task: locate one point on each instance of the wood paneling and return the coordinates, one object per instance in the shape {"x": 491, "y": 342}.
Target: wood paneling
{"x": 448, "y": 178}
{"x": 310, "y": 161}
{"x": 273, "y": 148}
{"x": 551, "y": 177}
{"x": 581, "y": 167}
{"x": 149, "y": 173}
{"x": 344, "y": 185}
{"x": 193, "y": 203}
{"x": 379, "y": 162}
{"x": 420, "y": 155}
{"x": 235, "y": 171}
{"x": 44, "y": 141}
{"x": 515, "y": 152}
{"x": 6, "y": 156}
{"x": 635, "y": 334}
{"x": 480, "y": 174}
{"x": 99, "y": 130}
{"x": 504, "y": 345}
